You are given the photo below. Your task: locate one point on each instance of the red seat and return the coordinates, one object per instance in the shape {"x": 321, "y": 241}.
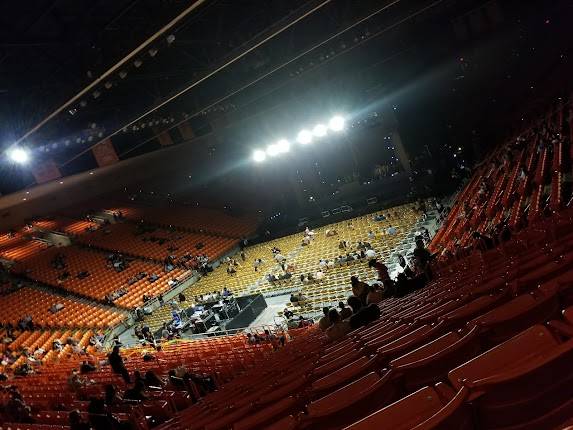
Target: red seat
{"x": 475, "y": 307}
{"x": 424, "y": 409}
{"x": 264, "y": 416}
{"x": 344, "y": 374}
{"x": 525, "y": 383}
{"x": 343, "y": 406}
{"x": 433, "y": 361}
{"x": 516, "y": 315}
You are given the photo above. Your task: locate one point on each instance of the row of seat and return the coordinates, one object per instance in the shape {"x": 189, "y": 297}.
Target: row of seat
{"x": 38, "y": 304}
{"x": 195, "y": 219}
{"x": 102, "y": 280}
{"x": 124, "y": 237}
{"x": 520, "y": 181}
{"x": 334, "y": 286}
{"x": 460, "y": 353}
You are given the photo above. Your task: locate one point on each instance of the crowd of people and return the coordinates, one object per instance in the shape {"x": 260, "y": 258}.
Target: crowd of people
{"x": 361, "y": 307}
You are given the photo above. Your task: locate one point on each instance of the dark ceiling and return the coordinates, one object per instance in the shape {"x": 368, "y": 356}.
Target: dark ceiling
{"x": 449, "y": 55}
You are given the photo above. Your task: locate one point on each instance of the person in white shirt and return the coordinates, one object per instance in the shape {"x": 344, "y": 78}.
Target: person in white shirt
{"x": 319, "y": 275}
{"x": 322, "y": 264}
{"x": 370, "y": 253}
{"x": 391, "y": 231}
{"x": 280, "y": 258}
{"x": 371, "y": 235}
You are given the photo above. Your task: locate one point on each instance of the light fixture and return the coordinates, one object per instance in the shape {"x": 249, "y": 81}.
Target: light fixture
{"x": 170, "y": 39}
{"x": 137, "y": 63}
{"x": 304, "y": 137}
{"x": 152, "y": 52}
{"x": 96, "y": 94}
{"x": 336, "y": 123}
{"x": 273, "y": 150}
{"x": 283, "y": 146}
{"x": 108, "y": 85}
{"x": 19, "y": 155}
{"x": 319, "y": 130}
{"x": 259, "y": 156}
{"x": 122, "y": 74}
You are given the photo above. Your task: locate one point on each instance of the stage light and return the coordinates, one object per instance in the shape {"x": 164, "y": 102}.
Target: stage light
{"x": 283, "y": 146}
{"x": 319, "y": 130}
{"x": 259, "y": 156}
{"x": 19, "y": 155}
{"x": 336, "y": 123}
{"x": 304, "y": 137}
{"x": 273, "y": 150}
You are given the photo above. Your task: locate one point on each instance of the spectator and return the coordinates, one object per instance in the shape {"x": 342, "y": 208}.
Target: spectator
{"x": 371, "y": 235}
{"x": 87, "y": 367}
{"x": 338, "y": 328}
{"x": 76, "y": 422}
{"x": 137, "y": 392}
{"x": 359, "y": 288}
{"x": 483, "y": 242}
{"x": 112, "y": 397}
{"x": 380, "y": 268}
{"x": 117, "y": 365}
{"x": 423, "y": 257}
{"x": 370, "y": 253}
{"x": 391, "y": 231}
{"x": 375, "y": 295}
{"x": 362, "y": 315}
{"x": 324, "y": 321}
{"x": 345, "y": 311}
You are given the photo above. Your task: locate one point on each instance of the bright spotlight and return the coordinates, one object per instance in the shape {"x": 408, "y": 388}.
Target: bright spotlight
{"x": 259, "y": 156}
{"x": 304, "y": 137}
{"x": 336, "y": 123}
{"x": 273, "y": 150}
{"x": 283, "y": 146}
{"x": 319, "y": 130}
{"x": 19, "y": 155}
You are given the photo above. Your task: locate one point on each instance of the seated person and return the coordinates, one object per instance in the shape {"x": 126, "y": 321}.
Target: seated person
{"x": 375, "y": 294}
{"x": 338, "y": 328}
{"x": 362, "y": 315}
{"x": 345, "y": 311}
{"x": 359, "y": 289}
{"x": 324, "y": 321}
{"x": 380, "y": 268}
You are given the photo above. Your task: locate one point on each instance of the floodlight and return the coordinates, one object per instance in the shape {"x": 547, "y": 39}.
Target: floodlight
{"x": 283, "y": 146}
{"x": 319, "y": 130}
{"x": 259, "y": 156}
{"x": 336, "y": 123}
{"x": 273, "y": 150}
{"x": 19, "y": 155}
{"x": 304, "y": 137}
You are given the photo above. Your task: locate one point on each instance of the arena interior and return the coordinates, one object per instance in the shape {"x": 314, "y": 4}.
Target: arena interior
{"x": 286, "y": 214}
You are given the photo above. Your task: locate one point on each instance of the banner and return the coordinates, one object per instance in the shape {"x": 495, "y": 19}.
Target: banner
{"x": 105, "y": 154}
{"x": 164, "y": 138}
{"x": 186, "y": 130}
{"x": 46, "y": 172}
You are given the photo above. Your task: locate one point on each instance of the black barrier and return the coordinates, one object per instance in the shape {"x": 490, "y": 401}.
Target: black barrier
{"x": 251, "y": 308}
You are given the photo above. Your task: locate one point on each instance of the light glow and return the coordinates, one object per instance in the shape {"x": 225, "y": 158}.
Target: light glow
{"x": 337, "y": 123}
{"x": 259, "y": 156}
{"x": 304, "y": 137}
{"x": 19, "y": 155}
{"x": 319, "y": 130}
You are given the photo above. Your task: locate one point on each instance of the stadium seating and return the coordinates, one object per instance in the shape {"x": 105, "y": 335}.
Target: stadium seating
{"x": 518, "y": 183}
{"x": 64, "y": 225}
{"x": 37, "y": 304}
{"x": 102, "y": 280}
{"x": 17, "y": 247}
{"x": 193, "y": 219}
{"x": 157, "y": 243}
{"x": 334, "y": 286}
